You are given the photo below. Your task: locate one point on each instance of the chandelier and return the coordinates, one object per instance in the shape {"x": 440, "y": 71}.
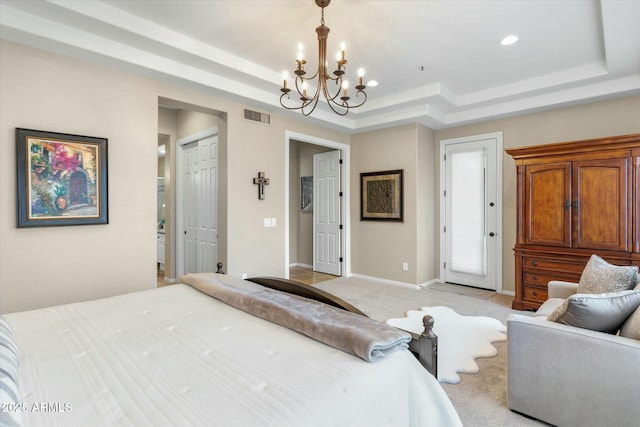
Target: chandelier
{"x": 308, "y": 102}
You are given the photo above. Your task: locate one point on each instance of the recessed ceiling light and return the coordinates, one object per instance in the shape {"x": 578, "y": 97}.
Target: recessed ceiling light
{"x": 372, "y": 83}
{"x": 509, "y": 40}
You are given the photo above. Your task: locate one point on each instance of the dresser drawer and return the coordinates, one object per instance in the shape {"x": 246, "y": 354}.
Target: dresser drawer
{"x": 530, "y": 293}
{"x": 539, "y": 278}
{"x": 562, "y": 267}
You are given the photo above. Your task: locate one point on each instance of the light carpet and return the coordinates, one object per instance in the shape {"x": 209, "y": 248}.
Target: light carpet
{"x": 461, "y": 339}
{"x": 481, "y": 398}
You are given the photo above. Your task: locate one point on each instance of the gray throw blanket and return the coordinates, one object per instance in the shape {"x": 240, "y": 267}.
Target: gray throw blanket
{"x": 349, "y": 332}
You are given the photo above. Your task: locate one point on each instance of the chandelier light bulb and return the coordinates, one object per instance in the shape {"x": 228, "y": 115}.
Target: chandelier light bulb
{"x": 360, "y": 76}
{"x": 285, "y": 77}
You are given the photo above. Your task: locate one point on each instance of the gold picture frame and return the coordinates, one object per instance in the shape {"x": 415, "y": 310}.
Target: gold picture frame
{"x": 381, "y": 196}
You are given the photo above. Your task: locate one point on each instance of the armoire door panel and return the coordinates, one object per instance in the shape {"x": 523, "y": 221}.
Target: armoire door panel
{"x": 547, "y": 209}
{"x": 601, "y": 210}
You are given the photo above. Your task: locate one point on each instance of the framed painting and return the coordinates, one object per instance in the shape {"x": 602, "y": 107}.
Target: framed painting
{"x": 306, "y": 193}
{"x": 62, "y": 179}
{"x": 381, "y": 196}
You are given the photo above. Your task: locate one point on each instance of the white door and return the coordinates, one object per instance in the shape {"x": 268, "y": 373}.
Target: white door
{"x": 326, "y": 212}
{"x": 472, "y": 205}
{"x": 200, "y": 205}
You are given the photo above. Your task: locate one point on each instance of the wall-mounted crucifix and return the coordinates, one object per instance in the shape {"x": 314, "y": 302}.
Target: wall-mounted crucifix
{"x": 261, "y": 181}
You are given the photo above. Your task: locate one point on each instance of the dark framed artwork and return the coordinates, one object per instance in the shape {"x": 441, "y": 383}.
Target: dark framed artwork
{"x": 62, "y": 179}
{"x": 306, "y": 193}
{"x": 381, "y": 196}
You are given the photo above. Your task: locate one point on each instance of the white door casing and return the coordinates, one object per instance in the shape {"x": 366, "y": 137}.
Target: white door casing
{"x": 326, "y": 212}
{"x": 197, "y": 203}
{"x": 471, "y": 211}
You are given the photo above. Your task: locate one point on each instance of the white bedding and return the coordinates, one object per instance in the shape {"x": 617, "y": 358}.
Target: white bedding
{"x": 175, "y": 356}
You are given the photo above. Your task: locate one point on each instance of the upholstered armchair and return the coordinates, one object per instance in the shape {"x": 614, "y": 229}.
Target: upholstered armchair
{"x": 569, "y": 375}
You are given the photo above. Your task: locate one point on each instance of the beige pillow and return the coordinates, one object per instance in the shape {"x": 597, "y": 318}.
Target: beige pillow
{"x": 597, "y": 312}
{"x": 599, "y": 277}
{"x": 631, "y": 327}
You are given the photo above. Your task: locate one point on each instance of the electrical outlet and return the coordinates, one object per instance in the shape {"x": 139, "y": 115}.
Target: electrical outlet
{"x": 244, "y": 276}
{"x": 405, "y": 266}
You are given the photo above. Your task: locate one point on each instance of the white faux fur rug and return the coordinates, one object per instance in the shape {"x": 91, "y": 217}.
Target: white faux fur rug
{"x": 461, "y": 339}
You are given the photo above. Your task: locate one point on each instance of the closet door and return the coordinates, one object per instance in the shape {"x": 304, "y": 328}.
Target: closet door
{"x": 547, "y": 209}
{"x": 601, "y": 205}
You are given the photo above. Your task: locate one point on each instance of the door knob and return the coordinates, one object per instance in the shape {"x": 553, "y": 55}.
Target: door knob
{"x": 492, "y": 234}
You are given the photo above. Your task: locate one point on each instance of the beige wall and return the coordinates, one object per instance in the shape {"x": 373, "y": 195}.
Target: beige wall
{"x": 607, "y": 118}
{"x": 294, "y": 200}
{"x": 167, "y": 128}
{"x": 45, "y": 266}
{"x": 426, "y": 226}
{"x": 379, "y": 248}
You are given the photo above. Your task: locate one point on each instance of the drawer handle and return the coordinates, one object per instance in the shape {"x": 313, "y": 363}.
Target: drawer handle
{"x": 535, "y": 293}
{"x": 535, "y": 277}
{"x": 535, "y": 263}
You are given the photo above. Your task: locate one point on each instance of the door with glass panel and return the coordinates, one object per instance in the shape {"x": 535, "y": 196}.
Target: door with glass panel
{"x": 470, "y": 217}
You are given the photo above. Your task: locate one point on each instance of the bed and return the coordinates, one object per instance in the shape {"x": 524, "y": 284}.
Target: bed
{"x": 178, "y": 356}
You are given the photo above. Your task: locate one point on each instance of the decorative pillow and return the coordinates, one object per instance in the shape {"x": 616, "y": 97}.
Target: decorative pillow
{"x": 598, "y": 312}
{"x": 9, "y": 371}
{"x": 599, "y": 277}
{"x": 631, "y": 327}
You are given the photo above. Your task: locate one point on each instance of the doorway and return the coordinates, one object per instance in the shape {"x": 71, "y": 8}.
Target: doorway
{"x": 298, "y": 223}
{"x": 471, "y": 211}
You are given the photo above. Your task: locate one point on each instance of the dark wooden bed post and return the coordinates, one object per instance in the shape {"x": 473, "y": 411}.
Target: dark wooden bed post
{"x": 425, "y": 346}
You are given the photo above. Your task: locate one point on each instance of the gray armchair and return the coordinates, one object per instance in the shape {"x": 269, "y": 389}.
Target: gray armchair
{"x": 569, "y": 376}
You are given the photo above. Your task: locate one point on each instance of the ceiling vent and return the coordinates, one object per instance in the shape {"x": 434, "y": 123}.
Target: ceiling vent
{"x": 256, "y": 116}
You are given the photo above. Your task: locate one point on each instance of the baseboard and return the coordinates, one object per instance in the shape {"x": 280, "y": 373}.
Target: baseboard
{"x": 386, "y": 281}
{"x": 501, "y": 292}
{"x": 430, "y": 282}
{"x": 297, "y": 264}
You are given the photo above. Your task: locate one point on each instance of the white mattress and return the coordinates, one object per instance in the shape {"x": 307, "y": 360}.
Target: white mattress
{"x": 175, "y": 356}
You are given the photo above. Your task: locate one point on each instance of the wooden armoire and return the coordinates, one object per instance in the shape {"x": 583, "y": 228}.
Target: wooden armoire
{"x": 574, "y": 199}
